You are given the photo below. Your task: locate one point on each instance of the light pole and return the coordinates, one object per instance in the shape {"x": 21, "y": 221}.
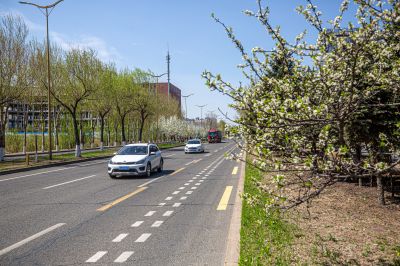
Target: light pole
{"x": 47, "y": 14}
{"x": 201, "y": 113}
{"x": 186, "y": 96}
{"x": 157, "y": 76}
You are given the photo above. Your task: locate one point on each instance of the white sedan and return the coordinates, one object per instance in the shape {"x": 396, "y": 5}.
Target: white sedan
{"x": 136, "y": 159}
{"x": 194, "y": 145}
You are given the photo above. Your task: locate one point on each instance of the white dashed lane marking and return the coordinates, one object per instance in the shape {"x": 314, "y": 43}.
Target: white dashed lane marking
{"x": 143, "y": 238}
{"x": 168, "y": 198}
{"x": 119, "y": 238}
{"x": 175, "y": 192}
{"x": 137, "y": 224}
{"x": 183, "y": 198}
{"x": 97, "y": 256}
{"x": 193, "y": 188}
{"x": 182, "y": 188}
{"x": 123, "y": 257}
{"x": 150, "y": 213}
{"x": 168, "y": 213}
{"x": 157, "y": 224}
{"x": 161, "y": 204}
{"x": 198, "y": 184}
{"x": 189, "y": 192}
{"x": 176, "y": 204}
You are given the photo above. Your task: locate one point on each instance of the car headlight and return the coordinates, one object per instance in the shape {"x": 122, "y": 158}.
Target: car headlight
{"x": 141, "y": 161}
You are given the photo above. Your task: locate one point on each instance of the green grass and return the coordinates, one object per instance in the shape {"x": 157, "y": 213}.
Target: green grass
{"x": 44, "y": 159}
{"x": 265, "y": 237}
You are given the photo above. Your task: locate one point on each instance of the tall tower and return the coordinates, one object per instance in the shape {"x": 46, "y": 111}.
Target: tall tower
{"x": 168, "y": 71}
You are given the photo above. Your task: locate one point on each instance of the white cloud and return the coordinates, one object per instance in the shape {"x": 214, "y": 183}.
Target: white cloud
{"x": 105, "y": 52}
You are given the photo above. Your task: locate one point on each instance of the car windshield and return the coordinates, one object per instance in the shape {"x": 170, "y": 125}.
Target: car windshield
{"x": 212, "y": 134}
{"x": 133, "y": 150}
{"x": 194, "y": 142}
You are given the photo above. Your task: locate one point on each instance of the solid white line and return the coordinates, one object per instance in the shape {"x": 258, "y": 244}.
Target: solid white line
{"x": 161, "y": 204}
{"x": 72, "y": 181}
{"x": 157, "y": 224}
{"x": 137, "y": 224}
{"x": 189, "y": 192}
{"x": 119, "y": 238}
{"x": 150, "y": 213}
{"x": 143, "y": 238}
{"x": 51, "y": 171}
{"x": 167, "y": 213}
{"x": 183, "y": 198}
{"x": 124, "y": 256}
{"x": 26, "y": 240}
{"x": 97, "y": 256}
{"x": 168, "y": 198}
{"x": 176, "y": 204}
{"x": 175, "y": 192}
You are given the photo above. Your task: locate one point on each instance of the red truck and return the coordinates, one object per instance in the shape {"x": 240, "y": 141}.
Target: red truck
{"x": 214, "y": 136}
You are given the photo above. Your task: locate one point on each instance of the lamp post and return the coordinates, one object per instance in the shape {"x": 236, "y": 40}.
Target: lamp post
{"x": 201, "y": 113}
{"x": 47, "y": 14}
{"x": 186, "y": 96}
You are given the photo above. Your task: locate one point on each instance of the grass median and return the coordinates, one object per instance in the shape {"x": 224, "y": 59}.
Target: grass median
{"x": 265, "y": 237}
{"x": 21, "y": 163}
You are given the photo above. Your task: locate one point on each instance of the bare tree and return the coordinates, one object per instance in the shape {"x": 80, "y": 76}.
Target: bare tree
{"x": 13, "y": 59}
{"x": 80, "y": 72}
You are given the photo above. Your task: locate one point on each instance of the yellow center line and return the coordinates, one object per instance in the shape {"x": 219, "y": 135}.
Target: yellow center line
{"x": 177, "y": 171}
{"x": 235, "y": 170}
{"x": 223, "y": 203}
{"x": 121, "y": 199}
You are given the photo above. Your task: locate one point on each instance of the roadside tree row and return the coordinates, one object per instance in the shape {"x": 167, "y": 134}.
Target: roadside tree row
{"x": 91, "y": 99}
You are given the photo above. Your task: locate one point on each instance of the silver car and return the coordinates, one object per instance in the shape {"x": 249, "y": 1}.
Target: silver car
{"x": 136, "y": 159}
{"x": 194, "y": 145}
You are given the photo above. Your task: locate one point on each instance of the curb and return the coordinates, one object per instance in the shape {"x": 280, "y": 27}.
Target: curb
{"x": 233, "y": 246}
{"x": 29, "y": 168}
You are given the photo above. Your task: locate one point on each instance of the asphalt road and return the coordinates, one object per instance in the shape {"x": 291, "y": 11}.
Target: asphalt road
{"x": 77, "y": 215}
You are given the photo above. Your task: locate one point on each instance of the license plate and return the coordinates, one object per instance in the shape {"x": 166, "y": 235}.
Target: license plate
{"x": 123, "y": 168}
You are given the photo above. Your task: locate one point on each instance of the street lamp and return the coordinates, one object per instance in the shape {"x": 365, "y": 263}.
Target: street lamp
{"x": 157, "y": 76}
{"x": 47, "y": 14}
{"x": 186, "y": 96}
{"x": 201, "y": 113}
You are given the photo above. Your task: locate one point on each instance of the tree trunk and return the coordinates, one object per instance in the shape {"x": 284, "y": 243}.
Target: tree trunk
{"x": 123, "y": 130}
{"x": 3, "y": 123}
{"x": 81, "y": 131}
{"x": 43, "y": 127}
{"x": 116, "y": 134}
{"x": 56, "y": 126}
{"x": 76, "y": 135}
{"x": 381, "y": 192}
{"x": 101, "y": 132}
{"x": 25, "y": 125}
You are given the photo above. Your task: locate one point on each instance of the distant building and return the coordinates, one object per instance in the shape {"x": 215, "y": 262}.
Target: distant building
{"x": 175, "y": 92}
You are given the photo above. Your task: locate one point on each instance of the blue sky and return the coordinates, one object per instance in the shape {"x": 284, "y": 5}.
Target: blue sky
{"x": 138, "y": 34}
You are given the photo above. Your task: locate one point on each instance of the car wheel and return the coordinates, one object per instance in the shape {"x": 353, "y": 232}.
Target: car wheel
{"x": 148, "y": 170}
{"x": 112, "y": 176}
{"x": 161, "y": 166}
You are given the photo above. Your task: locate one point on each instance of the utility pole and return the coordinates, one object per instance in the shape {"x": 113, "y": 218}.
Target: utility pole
{"x": 168, "y": 72}
{"x": 47, "y": 14}
{"x": 186, "y": 96}
{"x": 201, "y": 113}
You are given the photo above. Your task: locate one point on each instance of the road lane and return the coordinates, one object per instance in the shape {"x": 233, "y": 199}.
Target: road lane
{"x": 89, "y": 232}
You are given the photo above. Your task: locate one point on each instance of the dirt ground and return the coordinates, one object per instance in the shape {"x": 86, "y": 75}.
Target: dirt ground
{"x": 346, "y": 226}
